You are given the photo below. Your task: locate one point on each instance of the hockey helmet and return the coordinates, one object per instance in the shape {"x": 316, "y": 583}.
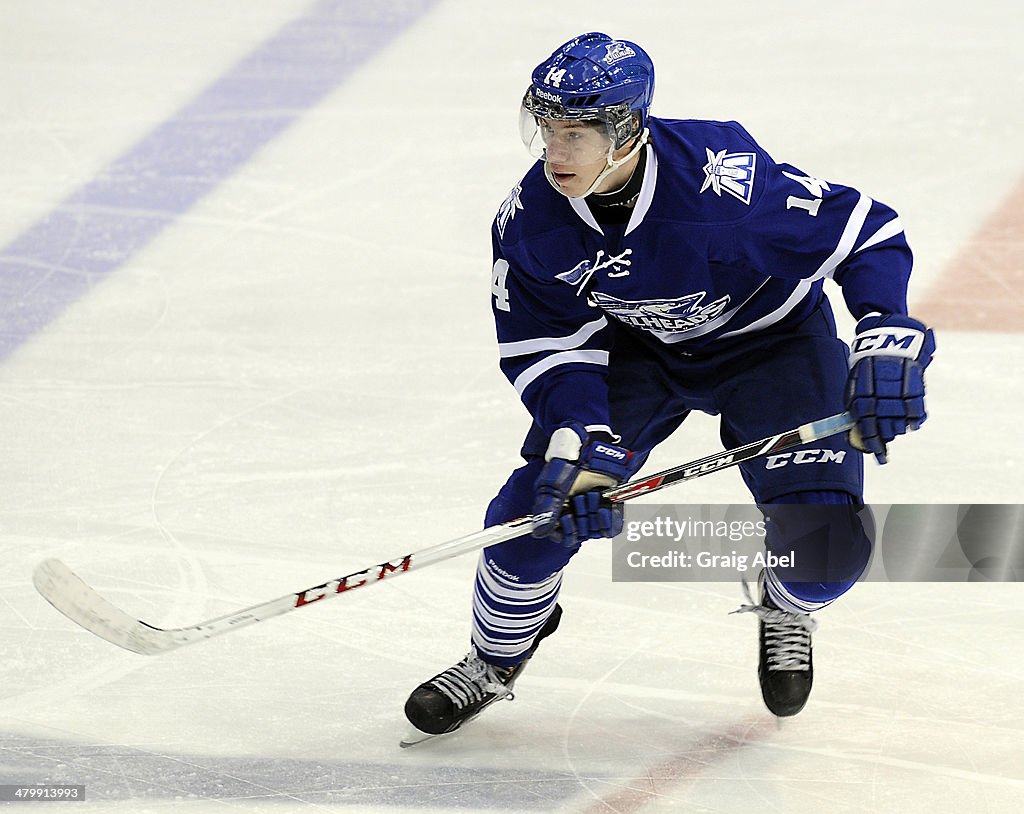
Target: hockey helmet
{"x": 603, "y": 83}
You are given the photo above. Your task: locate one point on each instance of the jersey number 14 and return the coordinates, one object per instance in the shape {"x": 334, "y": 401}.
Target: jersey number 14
{"x": 499, "y": 289}
{"x": 815, "y": 186}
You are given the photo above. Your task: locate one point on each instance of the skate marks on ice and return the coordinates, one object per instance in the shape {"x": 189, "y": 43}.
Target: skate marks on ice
{"x": 690, "y": 749}
{"x": 840, "y": 758}
{"x": 657, "y": 781}
{"x": 127, "y": 772}
{"x": 662, "y": 780}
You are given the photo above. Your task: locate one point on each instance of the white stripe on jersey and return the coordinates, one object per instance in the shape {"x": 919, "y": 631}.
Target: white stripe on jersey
{"x": 587, "y": 357}
{"x": 643, "y": 202}
{"x": 770, "y": 319}
{"x": 843, "y": 250}
{"x": 847, "y": 240}
{"x": 547, "y": 343}
{"x": 581, "y": 209}
{"x": 891, "y": 229}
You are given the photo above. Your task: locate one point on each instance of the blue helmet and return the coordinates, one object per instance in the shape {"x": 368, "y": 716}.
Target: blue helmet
{"x": 595, "y": 77}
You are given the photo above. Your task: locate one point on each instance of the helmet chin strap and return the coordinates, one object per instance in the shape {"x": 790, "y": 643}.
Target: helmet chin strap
{"x": 610, "y": 168}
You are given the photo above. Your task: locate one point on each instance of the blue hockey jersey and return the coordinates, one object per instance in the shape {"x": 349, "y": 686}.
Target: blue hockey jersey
{"x": 723, "y": 242}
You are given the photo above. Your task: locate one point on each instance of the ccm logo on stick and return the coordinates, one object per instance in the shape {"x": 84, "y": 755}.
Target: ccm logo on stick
{"x": 356, "y": 580}
{"x": 709, "y": 466}
{"x": 806, "y": 456}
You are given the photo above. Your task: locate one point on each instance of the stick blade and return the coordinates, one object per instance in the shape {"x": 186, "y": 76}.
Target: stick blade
{"x": 66, "y": 591}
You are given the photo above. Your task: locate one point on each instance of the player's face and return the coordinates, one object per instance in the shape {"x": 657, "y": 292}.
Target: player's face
{"x": 576, "y": 165}
{"x": 576, "y": 151}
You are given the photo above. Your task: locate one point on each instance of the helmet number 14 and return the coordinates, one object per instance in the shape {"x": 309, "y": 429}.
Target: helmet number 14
{"x": 554, "y": 77}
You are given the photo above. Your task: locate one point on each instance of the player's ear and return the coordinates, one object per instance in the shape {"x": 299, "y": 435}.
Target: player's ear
{"x": 625, "y": 148}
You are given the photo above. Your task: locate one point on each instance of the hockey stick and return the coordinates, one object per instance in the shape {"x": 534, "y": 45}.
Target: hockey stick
{"x": 63, "y": 589}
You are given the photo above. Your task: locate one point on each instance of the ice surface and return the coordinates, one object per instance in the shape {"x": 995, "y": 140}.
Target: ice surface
{"x": 293, "y": 377}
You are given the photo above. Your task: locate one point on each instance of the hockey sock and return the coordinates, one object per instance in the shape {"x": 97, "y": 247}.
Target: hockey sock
{"x": 508, "y": 615}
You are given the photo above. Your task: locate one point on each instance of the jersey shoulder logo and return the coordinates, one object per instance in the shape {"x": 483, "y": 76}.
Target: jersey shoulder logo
{"x": 509, "y": 207}
{"x": 732, "y": 173}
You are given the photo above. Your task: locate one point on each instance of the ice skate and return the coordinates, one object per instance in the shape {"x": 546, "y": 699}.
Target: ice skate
{"x": 785, "y": 667}
{"x": 460, "y": 693}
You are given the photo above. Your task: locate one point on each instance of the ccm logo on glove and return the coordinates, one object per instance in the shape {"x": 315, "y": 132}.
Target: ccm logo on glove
{"x": 612, "y": 452}
{"x": 885, "y": 389}
{"x": 568, "y": 507}
{"x": 904, "y": 342}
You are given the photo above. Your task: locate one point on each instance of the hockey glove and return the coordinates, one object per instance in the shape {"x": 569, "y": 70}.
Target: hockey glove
{"x": 885, "y": 390}
{"x": 567, "y": 503}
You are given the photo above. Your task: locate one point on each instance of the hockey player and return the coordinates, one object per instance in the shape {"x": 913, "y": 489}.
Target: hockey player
{"x": 645, "y": 268}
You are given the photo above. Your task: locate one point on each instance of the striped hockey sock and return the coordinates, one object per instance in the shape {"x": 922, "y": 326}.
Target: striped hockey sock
{"x": 507, "y": 615}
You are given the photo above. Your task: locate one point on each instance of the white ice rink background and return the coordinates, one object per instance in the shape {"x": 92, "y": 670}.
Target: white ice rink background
{"x": 246, "y": 348}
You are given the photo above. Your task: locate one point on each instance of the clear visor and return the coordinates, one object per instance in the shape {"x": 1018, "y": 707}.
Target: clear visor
{"x": 566, "y": 141}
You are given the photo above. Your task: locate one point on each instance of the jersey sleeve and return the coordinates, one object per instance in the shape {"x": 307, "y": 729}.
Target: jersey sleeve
{"x": 810, "y": 229}
{"x": 553, "y": 346}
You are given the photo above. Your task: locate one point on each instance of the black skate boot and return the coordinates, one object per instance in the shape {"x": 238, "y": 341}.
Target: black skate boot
{"x": 785, "y": 668}
{"x": 463, "y": 691}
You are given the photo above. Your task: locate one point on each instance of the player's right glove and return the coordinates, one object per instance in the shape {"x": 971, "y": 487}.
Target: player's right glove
{"x": 885, "y": 390}
{"x": 567, "y": 503}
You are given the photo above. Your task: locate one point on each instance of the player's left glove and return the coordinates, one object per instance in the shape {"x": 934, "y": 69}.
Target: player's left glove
{"x": 885, "y": 390}
{"x": 567, "y": 496}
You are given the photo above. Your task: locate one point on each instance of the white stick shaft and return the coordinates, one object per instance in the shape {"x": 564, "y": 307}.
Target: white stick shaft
{"x": 69, "y": 594}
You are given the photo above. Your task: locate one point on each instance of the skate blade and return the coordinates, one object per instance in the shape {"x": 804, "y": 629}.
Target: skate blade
{"x": 414, "y": 737}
